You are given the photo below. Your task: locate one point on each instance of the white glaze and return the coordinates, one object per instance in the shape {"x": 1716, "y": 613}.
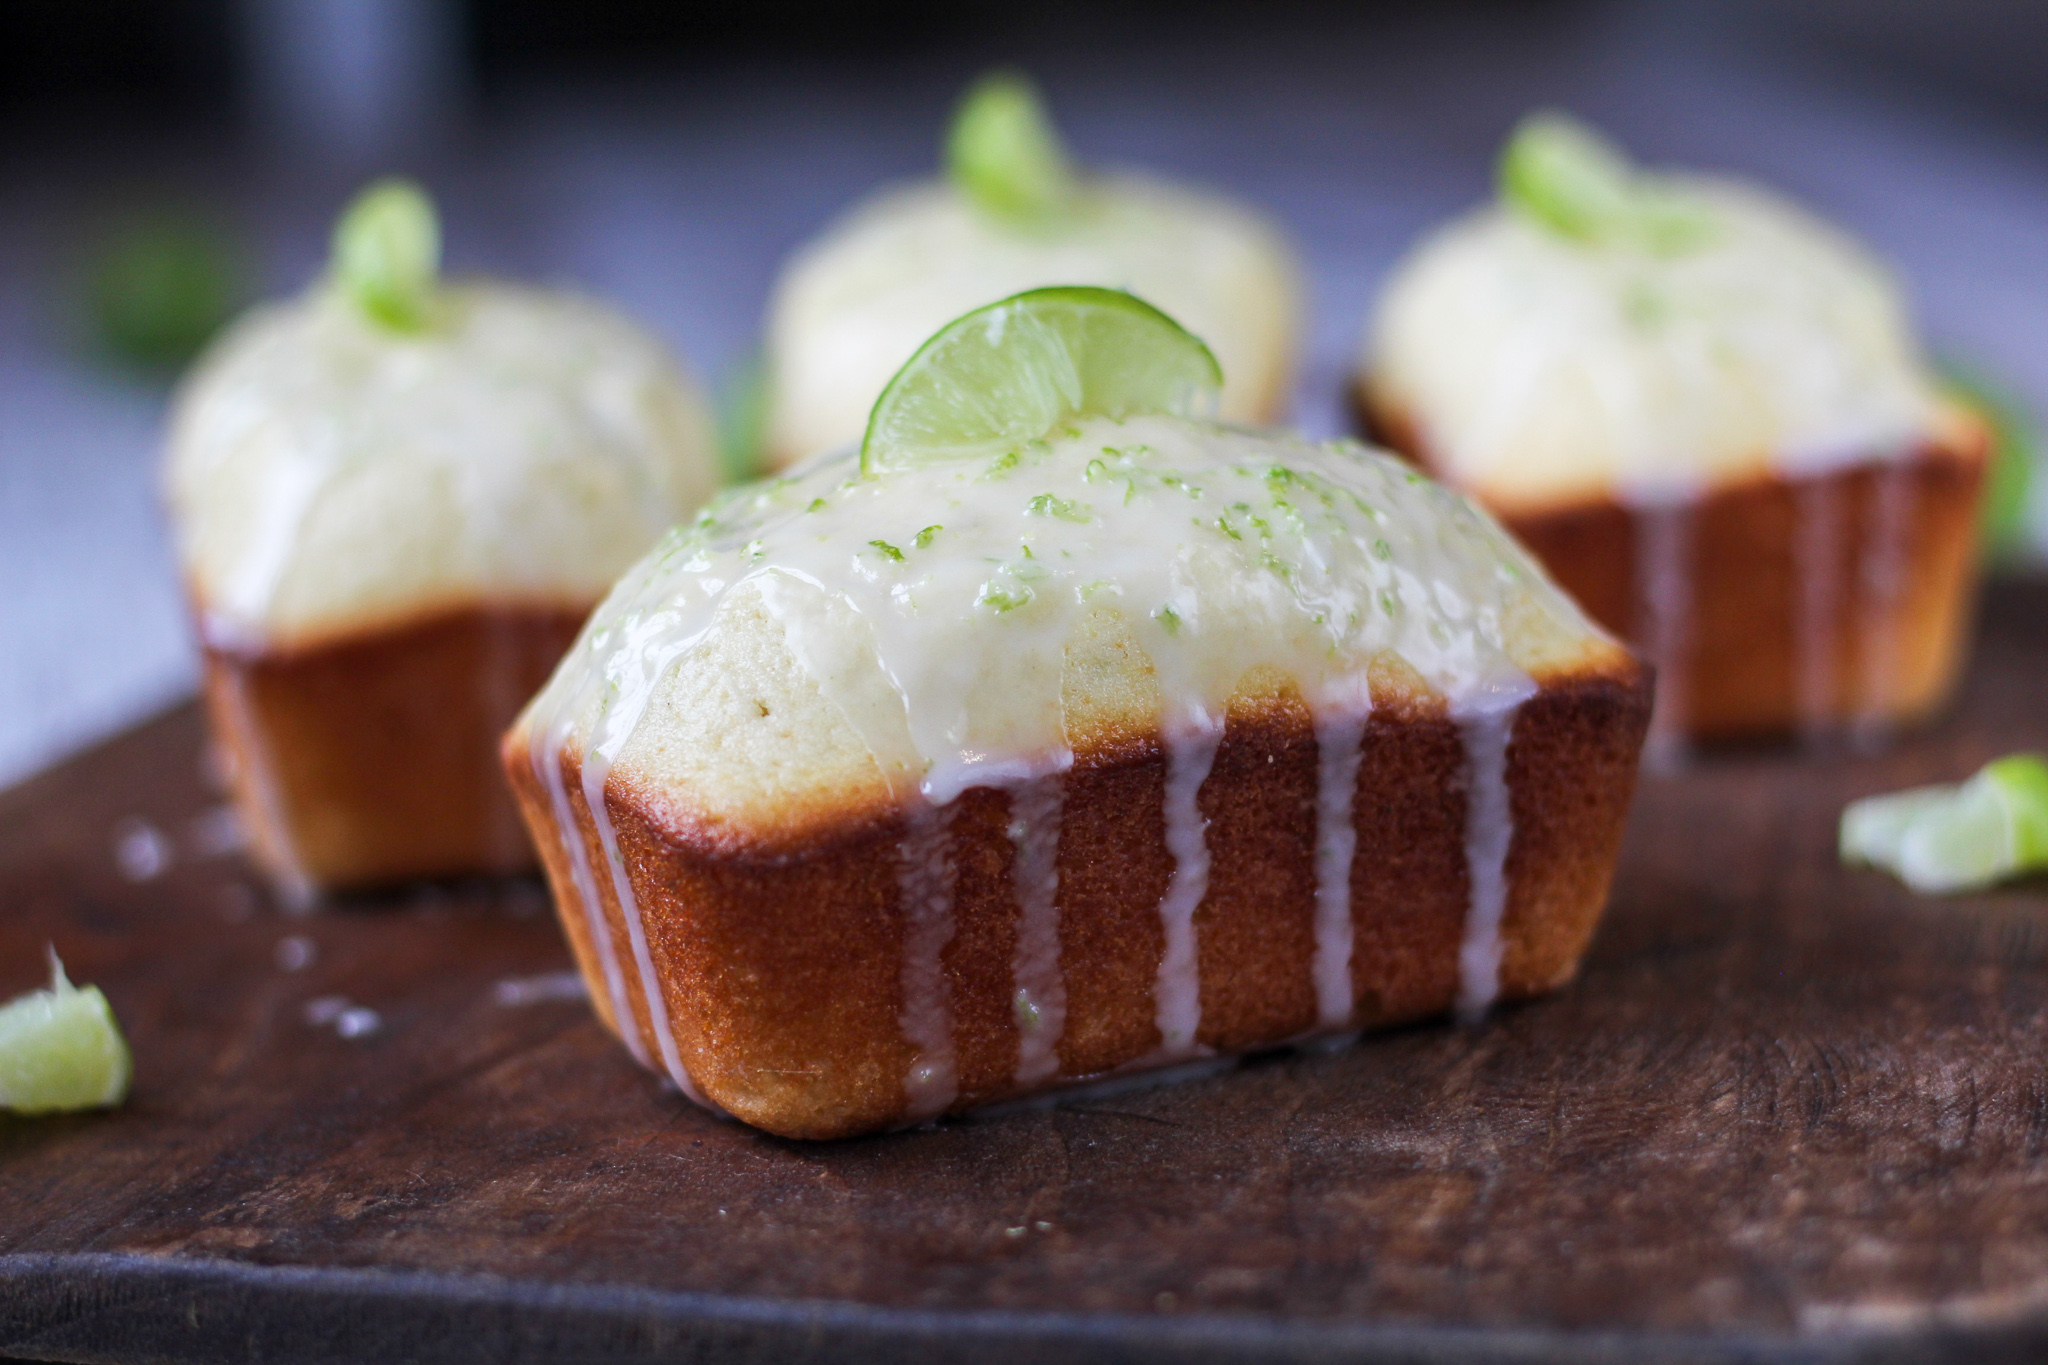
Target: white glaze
{"x": 927, "y": 876}
{"x": 1041, "y": 988}
{"x": 1663, "y": 565}
{"x": 1177, "y": 994}
{"x": 1488, "y": 726}
{"x": 1220, "y": 550}
{"x": 1539, "y": 369}
{"x": 328, "y": 474}
{"x": 856, "y": 303}
{"x": 543, "y": 753}
{"x": 1340, "y": 736}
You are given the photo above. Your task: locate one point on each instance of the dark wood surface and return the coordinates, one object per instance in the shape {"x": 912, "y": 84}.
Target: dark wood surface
{"x": 1789, "y": 1112}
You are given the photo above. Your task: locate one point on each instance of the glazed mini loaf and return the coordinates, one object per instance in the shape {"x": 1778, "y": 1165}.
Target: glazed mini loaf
{"x": 852, "y": 306}
{"x": 1706, "y": 412}
{"x": 392, "y": 525}
{"x": 879, "y": 794}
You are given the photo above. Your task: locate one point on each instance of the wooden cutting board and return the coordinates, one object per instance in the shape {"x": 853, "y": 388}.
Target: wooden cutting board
{"x": 1788, "y": 1113}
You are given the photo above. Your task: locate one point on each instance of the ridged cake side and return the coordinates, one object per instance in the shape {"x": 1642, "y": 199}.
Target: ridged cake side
{"x": 313, "y": 737}
{"x": 1780, "y": 601}
{"x": 780, "y": 931}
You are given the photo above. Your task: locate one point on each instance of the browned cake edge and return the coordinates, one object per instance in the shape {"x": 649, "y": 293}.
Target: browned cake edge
{"x": 781, "y": 971}
{"x": 1841, "y": 599}
{"x": 368, "y": 758}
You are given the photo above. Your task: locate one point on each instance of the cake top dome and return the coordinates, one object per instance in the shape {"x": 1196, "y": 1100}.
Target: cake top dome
{"x": 1605, "y": 330}
{"x": 387, "y": 445}
{"x": 1013, "y": 214}
{"x": 1038, "y": 494}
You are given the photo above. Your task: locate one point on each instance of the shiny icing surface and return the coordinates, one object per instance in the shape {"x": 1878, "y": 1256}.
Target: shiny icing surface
{"x": 1538, "y": 369}
{"x": 328, "y": 474}
{"x": 854, "y": 305}
{"x": 933, "y": 607}
{"x": 956, "y": 586}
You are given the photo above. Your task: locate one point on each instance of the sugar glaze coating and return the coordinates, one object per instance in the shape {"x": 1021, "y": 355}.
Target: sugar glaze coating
{"x": 329, "y": 474}
{"x": 1538, "y": 368}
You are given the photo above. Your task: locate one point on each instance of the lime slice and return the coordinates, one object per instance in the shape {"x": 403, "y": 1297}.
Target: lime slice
{"x": 387, "y": 253}
{"x": 1956, "y": 838}
{"x": 61, "y": 1049}
{"x": 1568, "y": 178}
{"x": 1011, "y": 372}
{"x": 1004, "y": 153}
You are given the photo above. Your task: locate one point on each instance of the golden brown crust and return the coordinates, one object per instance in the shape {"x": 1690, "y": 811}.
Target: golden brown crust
{"x": 1777, "y": 637}
{"x": 782, "y": 975}
{"x": 373, "y": 759}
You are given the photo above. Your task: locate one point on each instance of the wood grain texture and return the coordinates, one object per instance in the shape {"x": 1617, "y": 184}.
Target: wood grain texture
{"x": 1787, "y": 1112}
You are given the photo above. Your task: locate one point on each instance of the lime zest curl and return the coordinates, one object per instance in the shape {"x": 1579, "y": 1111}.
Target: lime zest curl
{"x": 387, "y": 254}
{"x": 1566, "y": 177}
{"x": 1005, "y": 155}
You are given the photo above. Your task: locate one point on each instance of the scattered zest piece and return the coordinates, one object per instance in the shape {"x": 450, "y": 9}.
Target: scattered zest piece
{"x": 60, "y": 1049}
{"x": 1956, "y": 837}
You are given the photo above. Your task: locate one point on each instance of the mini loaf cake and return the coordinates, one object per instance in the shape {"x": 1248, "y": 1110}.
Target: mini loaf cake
{"x": 1012, "y": 215}
{"x": 1705, "y": 411}
{"x": 1100, "y": 737}
{"x": 395, "y": 502}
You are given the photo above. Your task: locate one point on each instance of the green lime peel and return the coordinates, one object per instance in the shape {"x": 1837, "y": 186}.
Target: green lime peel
{"x": 1016, "y": 370}
{"x": 1956, "y": 837}
{"x": 387, "y": 254}
{"x": 1565, "y": 177}
{"x": 61, "y": 1049}
{"x": 1005, "y": 155}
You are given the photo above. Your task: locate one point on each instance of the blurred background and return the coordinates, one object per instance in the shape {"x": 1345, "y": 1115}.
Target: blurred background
{"x": 164, "y": 162}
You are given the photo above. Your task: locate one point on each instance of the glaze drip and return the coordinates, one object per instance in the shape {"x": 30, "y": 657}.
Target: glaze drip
{"x": 1041, "y": 988}
{"x": 1177, "y": 997}
{"x": 927, "y": 875}
{"x": 1339, "y": 737}
{"x": 597, "y": 766}
{"x": 1487, "y": 728}
{"x": 1663, "y": 563}
{"x": 545, "y": 755}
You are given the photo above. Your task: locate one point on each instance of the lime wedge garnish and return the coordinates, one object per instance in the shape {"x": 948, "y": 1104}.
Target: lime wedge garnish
{"x": 387, "y": 253}
{"x": 1958, "y": 837}
{"x": 61, "y": 1049}
{"x": 1565, "y": 176}
{"x": 1011, "y": 372}
{"x": 1004, "y": 153}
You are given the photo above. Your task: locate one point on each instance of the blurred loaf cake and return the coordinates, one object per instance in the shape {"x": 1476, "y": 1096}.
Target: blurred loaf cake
{"x": 392, "y": 524}
{"x": 1013, "y": 214}
{"x": 1706, "y": 412}
{"x": 876, "y": 795}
